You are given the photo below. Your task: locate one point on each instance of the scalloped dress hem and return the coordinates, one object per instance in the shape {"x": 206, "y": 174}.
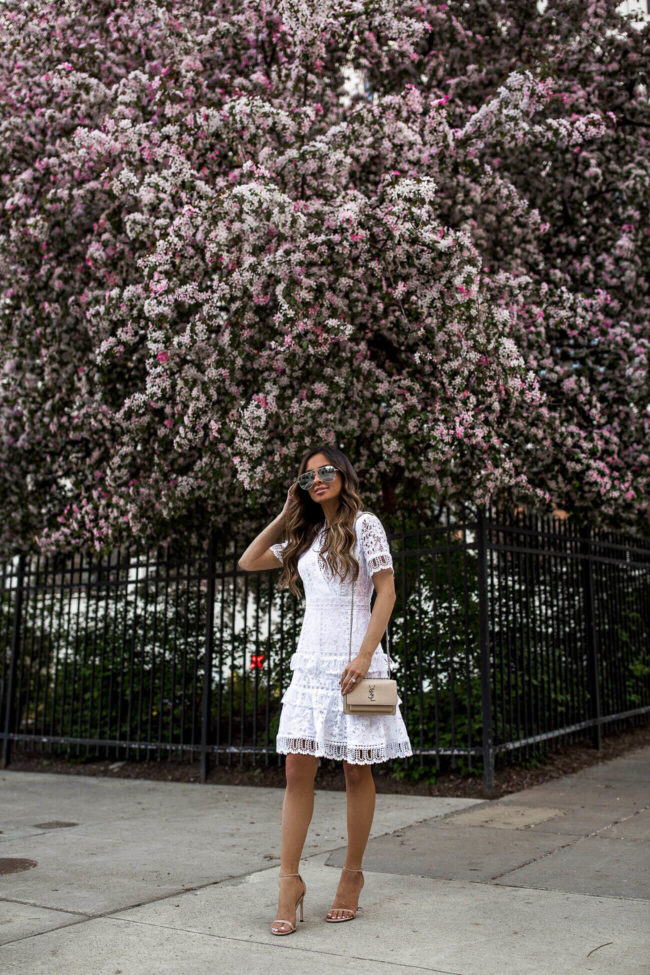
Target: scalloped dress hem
{"x": 372, "y": 755}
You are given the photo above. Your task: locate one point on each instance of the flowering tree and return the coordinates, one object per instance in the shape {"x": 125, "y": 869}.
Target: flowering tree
{"x": 593, "y": 195}
{"x": 215, "y": 250}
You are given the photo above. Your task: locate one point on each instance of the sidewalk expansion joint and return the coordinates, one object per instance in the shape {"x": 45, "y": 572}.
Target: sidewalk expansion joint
{"x": 536, "y": 859}
{"x": 572, "y": 893}
{"x": 572, "y": 842}
{"x": 83, "y": 915}
{"x": 616, "y": 822}
{"x": 266, "y": 944}
{"x": 39, "y": 934}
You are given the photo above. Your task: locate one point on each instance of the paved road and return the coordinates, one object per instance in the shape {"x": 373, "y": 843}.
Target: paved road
{"x": 149, "y": 878}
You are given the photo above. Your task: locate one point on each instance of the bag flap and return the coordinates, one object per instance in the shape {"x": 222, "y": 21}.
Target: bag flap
{"x": 381, "y": 690}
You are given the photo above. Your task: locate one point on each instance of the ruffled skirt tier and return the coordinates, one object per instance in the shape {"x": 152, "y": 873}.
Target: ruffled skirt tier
{"x": 312, "y": 721}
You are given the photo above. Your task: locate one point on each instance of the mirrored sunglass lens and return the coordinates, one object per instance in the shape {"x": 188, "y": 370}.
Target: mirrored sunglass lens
{"x": 325, "y": 473}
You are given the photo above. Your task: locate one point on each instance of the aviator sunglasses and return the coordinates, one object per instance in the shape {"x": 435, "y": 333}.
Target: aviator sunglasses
{"x": 327, "y": 473}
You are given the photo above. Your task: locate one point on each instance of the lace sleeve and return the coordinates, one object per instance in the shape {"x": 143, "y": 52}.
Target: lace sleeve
{"x": 278, "y": 549}
{"x": 375, "y": 545}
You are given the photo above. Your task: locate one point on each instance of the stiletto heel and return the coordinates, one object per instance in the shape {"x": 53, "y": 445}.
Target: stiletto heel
{"x": 351, "y": 912}
{"x": 299, "y": 902}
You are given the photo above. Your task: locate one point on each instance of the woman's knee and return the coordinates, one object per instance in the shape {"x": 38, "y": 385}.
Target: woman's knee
{"x": 300, "y": 770}
{"x": 357, "y": 775}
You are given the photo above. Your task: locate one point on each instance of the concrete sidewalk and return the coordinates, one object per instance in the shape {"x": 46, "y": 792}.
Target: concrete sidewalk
{"x": 134, "y": 877}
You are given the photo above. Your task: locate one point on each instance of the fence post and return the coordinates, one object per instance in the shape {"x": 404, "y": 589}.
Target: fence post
{"x": 484, "y": 647}
{"x": 591, "y": 635}
{"x": 13, "y": 663}
{"x": 207, "y": 662}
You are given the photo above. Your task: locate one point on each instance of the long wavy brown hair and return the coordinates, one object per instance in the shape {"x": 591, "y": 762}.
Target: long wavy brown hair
{"x": 305, "y": 518}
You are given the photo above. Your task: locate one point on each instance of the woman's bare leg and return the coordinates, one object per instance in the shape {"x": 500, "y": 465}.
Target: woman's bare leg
{"x": 360, "y": 792}
{"x": 297, "y": 810}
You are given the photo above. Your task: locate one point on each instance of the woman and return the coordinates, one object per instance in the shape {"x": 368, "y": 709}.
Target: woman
{"x": 339, "y": 552}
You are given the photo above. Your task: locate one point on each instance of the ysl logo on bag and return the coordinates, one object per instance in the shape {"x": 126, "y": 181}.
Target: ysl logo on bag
{"x": 371, "y": 692}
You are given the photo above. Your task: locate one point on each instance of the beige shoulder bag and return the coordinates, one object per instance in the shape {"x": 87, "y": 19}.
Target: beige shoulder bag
{"x": 370, "y": 695}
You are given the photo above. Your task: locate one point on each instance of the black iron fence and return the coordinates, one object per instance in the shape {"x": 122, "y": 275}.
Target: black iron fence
{"x": 510, "y": 630}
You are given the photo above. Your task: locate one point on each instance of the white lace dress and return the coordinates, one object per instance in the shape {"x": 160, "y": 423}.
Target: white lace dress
{"x": 312, "y": 721}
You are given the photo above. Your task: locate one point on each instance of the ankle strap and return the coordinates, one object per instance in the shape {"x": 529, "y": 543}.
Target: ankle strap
{"x": 281, "y": 875}
{"x": 354, "y": 869}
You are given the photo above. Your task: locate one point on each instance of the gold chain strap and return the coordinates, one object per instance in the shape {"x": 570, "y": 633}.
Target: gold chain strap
{"x": 350, "y": 647}
{"x": 351, "y": 612}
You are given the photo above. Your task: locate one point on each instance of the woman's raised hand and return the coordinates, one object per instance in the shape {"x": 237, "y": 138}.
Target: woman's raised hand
{"x": 290, "y": 497}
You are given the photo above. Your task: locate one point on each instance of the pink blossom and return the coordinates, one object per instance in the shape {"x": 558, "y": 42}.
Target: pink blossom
{"x": 163, "y": 196}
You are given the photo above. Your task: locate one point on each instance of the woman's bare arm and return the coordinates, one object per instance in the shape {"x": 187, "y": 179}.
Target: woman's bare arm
{"x": 258, "y": 556}
{"x": 384, "y": 583}
{"x": 382, "y": 609}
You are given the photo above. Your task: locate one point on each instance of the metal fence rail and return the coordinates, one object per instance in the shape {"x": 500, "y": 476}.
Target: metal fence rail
{"x": 510, "y": 630}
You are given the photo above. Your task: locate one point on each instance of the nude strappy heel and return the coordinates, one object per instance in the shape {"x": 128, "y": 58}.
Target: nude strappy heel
{"x": 351, "y": 912}
{"x": 279, "y": 920}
